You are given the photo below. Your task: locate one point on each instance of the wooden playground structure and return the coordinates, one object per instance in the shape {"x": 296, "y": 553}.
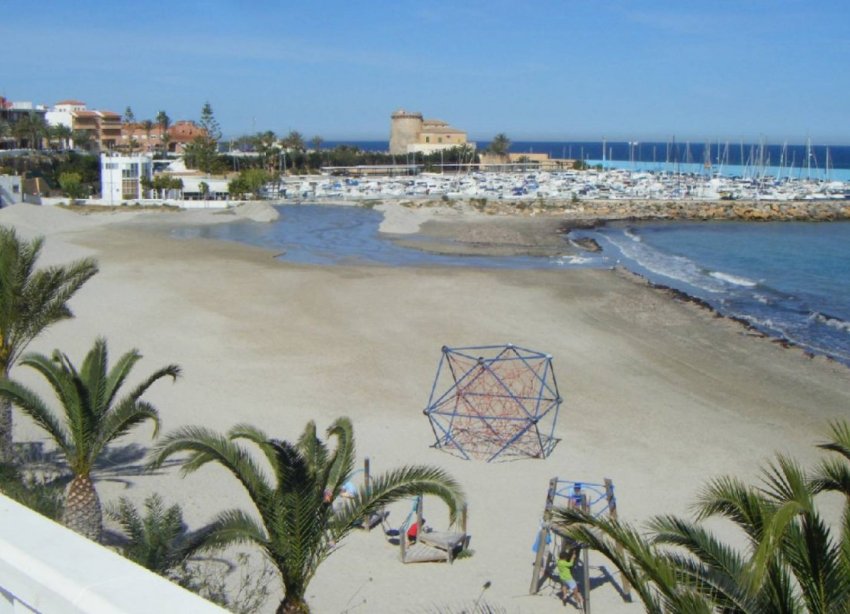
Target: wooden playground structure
{"x": 596, "y": 499}
{"x": 429, "y": 545}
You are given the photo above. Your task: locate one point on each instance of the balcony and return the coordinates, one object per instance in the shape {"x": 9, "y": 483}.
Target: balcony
{"x": 48, "y": 569}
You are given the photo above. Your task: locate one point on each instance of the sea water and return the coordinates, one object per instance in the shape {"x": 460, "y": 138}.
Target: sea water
{"x": 790, "y": 280}
{"x": 349, "y": 235}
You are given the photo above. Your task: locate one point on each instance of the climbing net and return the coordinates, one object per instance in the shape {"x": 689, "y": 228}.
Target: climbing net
{"x": 489, "y": 401}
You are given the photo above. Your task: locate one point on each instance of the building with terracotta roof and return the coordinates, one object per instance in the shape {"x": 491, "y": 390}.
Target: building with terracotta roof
{"x": 410, "y": 133}
{"x": 102, "y": 129}
{"x": 137, "y": 137}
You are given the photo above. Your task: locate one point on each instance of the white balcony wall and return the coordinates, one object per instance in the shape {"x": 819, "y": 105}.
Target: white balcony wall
{"x": 48, "y": 569}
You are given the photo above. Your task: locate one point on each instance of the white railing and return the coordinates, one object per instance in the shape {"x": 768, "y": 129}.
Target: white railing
{"x": 48, "y": 569}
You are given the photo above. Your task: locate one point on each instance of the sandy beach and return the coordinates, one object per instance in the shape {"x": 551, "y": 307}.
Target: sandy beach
{"x": 659, "y": 394}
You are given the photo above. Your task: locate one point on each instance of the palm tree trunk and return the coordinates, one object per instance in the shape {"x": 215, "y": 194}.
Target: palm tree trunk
{"x": 293, "y": 606}
{"x": 82, "y": 508}
{"x": 5, "y": 431}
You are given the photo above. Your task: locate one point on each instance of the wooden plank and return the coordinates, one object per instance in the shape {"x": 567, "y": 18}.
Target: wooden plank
{"x": 442, "y": 540}
{"x": 420, "y": 553}
{"x": 541, "y": 536}
{"x": 612, "y": 514}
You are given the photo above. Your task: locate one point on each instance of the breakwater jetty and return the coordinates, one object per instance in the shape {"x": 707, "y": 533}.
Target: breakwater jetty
{"x": 604, "y": 210}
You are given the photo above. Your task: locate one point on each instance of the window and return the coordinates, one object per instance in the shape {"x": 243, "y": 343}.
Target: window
{"x": 129, "y": 188}
{"x": 16, "y": 188}
{"x": 131, "y": 171}
{"x": 111, "y": 166}
{"x": 427, "y": 139}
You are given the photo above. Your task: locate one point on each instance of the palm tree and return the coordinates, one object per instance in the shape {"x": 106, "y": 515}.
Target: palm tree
{"x": 92, "y": 417}
{"x": 793, "y": 562}
{"x": 294, "y": 141}
{"x": 129, "y": 127}
{"x": 30, "y": 128}
{"x": 30, "y": 301}
{"x": 163, "y": 121}
{"x": 158, "y": 540}
{"x": 500, "y": 145}
{"x": 5, "y": 132}
{"x": 148, "y": 127}
{"x": 83, "y": 139}
{"x": 60, "y": 133}
{"x": 298, "y": 525}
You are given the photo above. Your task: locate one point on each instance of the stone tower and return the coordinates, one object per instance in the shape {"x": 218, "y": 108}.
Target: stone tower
{"x": 404, "y": 130}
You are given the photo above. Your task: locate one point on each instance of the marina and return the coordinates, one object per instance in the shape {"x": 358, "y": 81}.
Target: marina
{"x": 592, "y": 184}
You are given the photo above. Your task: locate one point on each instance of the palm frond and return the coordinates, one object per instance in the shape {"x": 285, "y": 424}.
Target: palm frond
{"x": 30, "y": 299}
{"x": 313, "y": 450}
{"x": 732, "y": 499}
{"x": 60, "y": 377}
{"x": 632, "y": 555}
{"x": 92, "y": 378}
{"x": 32, "y": 405}
{"x": 785, "y": 480}
{"x": 231, "y": 527}
{"x": 119, "y": 421}
{"x": 399, "y": 484}
{"x": 173, "y": 371}
{"x": 341, "y": 463}
{"x": 257, "y": 437}
{"x": 840, "y": 430}
{"x": 714, "y": 568}
{"x": 831, "y": 475}
{"x": 204, "y": 446}
{"x": 816, "y": 563}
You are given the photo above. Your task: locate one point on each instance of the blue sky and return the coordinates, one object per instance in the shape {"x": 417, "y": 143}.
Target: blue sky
{"x": 534, "y": 69}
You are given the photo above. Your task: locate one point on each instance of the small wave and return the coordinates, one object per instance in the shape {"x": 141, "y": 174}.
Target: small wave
{"x": 831, "y": 321}
{"x": 669, "y": 266}
{"x": 733, "y": 279}
{"x": 631, "y": 234}
{"x": 568, "y": 260}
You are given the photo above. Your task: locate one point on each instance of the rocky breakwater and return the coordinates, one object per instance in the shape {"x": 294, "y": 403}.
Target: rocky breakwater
{"x": 602, "y": 210}
{"x": 820, "y": 211}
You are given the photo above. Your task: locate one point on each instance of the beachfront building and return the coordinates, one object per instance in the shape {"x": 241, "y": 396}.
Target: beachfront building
{"x": 11, "y": 113}
{"x": 411, "y": 133}
{"x": 136, "y": 137}
{"x": 121, "y": 177}
{"x": 101, "y": 130}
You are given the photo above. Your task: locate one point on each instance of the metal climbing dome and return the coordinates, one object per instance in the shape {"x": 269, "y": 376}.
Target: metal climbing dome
{"x": 493, "y": 401}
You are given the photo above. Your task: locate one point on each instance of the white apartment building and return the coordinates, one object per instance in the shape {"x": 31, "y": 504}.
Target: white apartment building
{"x": 121, "y": 177}
{"x": 62, "y": 113}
